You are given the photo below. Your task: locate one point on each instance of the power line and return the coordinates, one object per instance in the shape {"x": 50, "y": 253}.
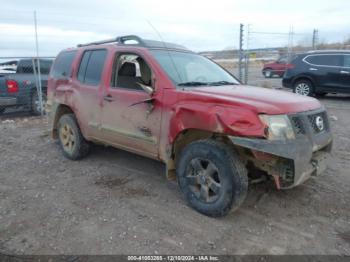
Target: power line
{"x": 276, "y": 33}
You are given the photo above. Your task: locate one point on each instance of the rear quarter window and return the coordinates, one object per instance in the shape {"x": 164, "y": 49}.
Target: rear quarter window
{"x": 346, "y": 60}
{"x": 63, "y": 65}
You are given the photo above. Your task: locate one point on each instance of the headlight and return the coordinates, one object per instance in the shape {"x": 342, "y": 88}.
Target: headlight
{"x": 279, "y": 127}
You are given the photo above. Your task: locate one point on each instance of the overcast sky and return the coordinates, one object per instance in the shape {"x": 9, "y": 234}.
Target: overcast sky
{"x": 199, "y": 25}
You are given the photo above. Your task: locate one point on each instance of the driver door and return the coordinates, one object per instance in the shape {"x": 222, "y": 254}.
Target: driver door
{"x": 128, "y": 121}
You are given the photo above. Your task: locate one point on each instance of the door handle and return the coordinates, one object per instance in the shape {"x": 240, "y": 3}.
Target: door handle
{"x": 313, "y": 69}
{"x": 108, "y": 98}
{"x": 344, "y": 72}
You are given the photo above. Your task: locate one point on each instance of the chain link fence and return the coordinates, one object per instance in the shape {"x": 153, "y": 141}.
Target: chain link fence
{"x": 23, "y": 84}
{"x": 266, "y": 55}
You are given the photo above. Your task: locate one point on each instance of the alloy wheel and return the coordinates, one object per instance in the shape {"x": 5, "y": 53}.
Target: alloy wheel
{"x": 302, "y": 89}
{"x": 67, "y": 137}
{"x": 204, "y": 180}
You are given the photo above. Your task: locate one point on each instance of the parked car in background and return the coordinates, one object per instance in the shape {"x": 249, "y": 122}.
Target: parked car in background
{"x": 19, "y": 89}
{"x": 276, "y": 68}
{"x": 162, "y": 101}
{"x": 319, "y": 73}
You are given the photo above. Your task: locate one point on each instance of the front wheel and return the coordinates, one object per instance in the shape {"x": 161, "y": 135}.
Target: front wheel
{"x": 303, "y": 87}
{"x": 72, "y": 142}
{"x": 212, "y": 178}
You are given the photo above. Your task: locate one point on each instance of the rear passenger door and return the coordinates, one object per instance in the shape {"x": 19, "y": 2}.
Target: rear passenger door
{"x": 88, "y": 91}
{"x": 325, "y": 69}
{"x": 345, "y": 74}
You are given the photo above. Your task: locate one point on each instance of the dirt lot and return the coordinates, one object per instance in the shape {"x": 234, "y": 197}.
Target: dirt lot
{"x": 114, "y": 202}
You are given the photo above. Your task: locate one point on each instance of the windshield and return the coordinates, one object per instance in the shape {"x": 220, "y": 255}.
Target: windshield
{"x": 188, "y": 69}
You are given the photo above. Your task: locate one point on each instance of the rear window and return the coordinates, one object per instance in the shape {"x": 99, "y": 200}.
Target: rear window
{"x": 91, "y": 67}
{"x": 63, "y": 65}
{"x": 324, "y": 60}
{"x": 26, "y": 66}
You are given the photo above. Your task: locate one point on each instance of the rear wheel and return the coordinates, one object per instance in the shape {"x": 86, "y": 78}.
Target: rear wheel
{"x": 268, "y": 73}
{"x": 72, "y": 142}
{"x": 2, "y": 110}
{"x": 35, "y": 103}
{"x": 212, "y": 178}
{"x": 303, "y": 87}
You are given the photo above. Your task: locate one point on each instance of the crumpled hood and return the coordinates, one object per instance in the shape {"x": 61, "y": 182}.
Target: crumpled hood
{"x": 262, "y": 100}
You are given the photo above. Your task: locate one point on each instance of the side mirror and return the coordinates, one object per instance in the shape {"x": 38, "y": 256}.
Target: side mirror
{"x": 148, "y": 89}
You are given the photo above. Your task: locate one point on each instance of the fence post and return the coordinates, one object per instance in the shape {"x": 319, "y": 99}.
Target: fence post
{"x": 240, "y": 52}
{"x": 39, "y": 87}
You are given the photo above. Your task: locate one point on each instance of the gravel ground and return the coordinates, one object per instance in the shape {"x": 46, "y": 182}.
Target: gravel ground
{"x": 114, "y": 202}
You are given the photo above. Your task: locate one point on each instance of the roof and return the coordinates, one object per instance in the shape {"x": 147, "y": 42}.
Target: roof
{"x": 328, "y": 51}
{"x": 133, "y": 40}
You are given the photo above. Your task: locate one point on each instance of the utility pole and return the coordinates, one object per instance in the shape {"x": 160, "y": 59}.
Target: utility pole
{"x": 290, "y": 42}
{"x": 240, "y": 53}
{"x": 315, "y": 39}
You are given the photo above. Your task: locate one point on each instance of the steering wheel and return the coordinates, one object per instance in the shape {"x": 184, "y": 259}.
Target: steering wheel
{"x": 201, "y": 79}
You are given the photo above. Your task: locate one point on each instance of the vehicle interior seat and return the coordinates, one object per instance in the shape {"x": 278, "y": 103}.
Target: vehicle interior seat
{"x": 127, "y": 76}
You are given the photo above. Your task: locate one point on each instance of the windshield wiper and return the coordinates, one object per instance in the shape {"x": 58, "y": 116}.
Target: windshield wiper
{"x": 193, "y": 83}
{"x": 222, "y": 83}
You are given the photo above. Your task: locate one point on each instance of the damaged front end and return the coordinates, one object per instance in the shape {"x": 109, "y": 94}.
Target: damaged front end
{"x": 294, "y": 155}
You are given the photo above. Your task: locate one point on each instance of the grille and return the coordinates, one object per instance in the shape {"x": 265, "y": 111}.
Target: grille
{"x": 314, "y": 120}
{"x": 298, "y": 125}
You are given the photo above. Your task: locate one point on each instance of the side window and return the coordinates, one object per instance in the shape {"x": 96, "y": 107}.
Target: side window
{"x": 130, "y": 70}
{"x": 91, "y": 67}
{"x": 82, "y": 67}
{"x": 25, "y": 67}
{"x": 346, "y": 61}
{"x": 63, "y": 65}
{"x": 324, "y": 60}
{"x": 282, "y": 60}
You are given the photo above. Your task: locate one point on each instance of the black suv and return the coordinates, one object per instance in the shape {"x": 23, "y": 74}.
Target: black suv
{"x": 319, "y": 73}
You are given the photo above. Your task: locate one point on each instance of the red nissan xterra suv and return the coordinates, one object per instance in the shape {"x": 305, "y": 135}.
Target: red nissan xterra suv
{"x": 165, "y": 102}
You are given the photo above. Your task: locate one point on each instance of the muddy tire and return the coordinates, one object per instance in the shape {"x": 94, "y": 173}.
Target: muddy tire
{"x": 72, "y": 142}
{"x": 212, "y": 178}
{"x": 35, "y": 103}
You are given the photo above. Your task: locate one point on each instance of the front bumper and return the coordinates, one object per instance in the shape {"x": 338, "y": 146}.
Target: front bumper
{"x": 305, "y": 161}
{"x": 8, "y": 101}
{"x": 294, "y": 160}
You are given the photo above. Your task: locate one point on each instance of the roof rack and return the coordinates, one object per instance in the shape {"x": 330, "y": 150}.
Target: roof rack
{"x": 121, "y": 40}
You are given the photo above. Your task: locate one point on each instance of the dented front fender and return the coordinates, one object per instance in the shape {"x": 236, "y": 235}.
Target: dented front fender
{"x": 214, "y": 118}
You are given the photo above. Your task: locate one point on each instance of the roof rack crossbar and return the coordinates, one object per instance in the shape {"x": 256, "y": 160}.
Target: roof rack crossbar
{"x": 119, "y": 39}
